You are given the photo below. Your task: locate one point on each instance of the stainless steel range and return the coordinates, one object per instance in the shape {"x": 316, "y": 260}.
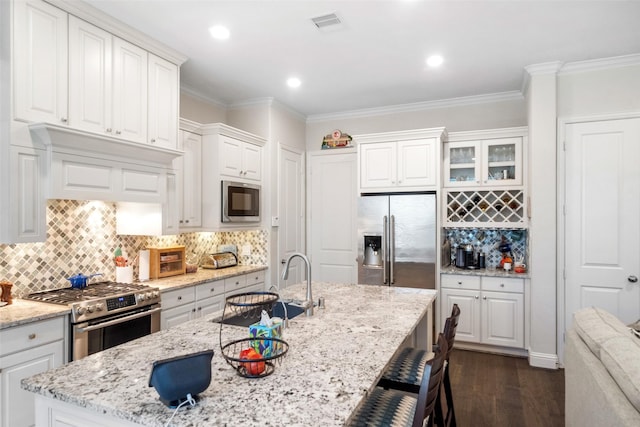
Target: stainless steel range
{"x": 106, "y": 314}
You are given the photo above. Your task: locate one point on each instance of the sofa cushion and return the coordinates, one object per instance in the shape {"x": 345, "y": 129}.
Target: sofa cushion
{"x": 596, "y": 326}
{"x": 621, "y": 357}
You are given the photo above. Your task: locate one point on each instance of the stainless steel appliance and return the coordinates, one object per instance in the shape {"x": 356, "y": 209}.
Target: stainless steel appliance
{"x": 397, "y": 240}
{"x": 220, "y": 260}
{"x": 240, "y": 202}
{"x": 106, "y": 314}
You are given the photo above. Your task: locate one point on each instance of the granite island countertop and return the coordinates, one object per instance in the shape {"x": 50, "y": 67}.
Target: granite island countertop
{"x": 334, "y": 358}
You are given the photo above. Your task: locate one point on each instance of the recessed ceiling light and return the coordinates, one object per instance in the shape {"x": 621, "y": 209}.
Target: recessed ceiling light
{"x": 293, "y": 82}
{"x": 219, "y": 32}
{"x": 435, "y": 61}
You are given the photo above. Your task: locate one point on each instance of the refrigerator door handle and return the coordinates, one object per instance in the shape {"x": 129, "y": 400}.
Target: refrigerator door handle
{"x": 392, "y": 246}
{"x": 385, "y": 245}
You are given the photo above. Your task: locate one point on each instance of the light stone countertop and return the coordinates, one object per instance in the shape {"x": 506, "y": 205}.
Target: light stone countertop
{"x": 334, "y": 358}
{"x": 24, "y": 311}
{"x": 488, "y": 272}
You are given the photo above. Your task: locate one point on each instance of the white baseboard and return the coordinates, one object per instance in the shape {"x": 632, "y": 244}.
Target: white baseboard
{"x": 543, "y": 360}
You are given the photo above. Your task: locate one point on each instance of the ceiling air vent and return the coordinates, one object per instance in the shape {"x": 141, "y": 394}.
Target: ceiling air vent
{"x": 326, "y": 20}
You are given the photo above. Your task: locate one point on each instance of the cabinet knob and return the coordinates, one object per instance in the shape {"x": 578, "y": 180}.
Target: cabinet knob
{"x": 118, "y": 132}
{"x": 476, "y": 296}
{"x": 32, "y": 336}
{"x": 109, "y": 130}
{"x": 181, "y": 221}
{"x": 502, "y": 285}
{"x": 63, "y": 119}
{"x": 179, "y": 298}
{"x": 199, "y": 308}
{"x": 212, "y": 290}
{"x": 193, "y": 310}
{"x": 186, "y": 221}
{"x": 153, "y": 140}
{"x": 484, "y": 298}
{"x": 632, "y": 279}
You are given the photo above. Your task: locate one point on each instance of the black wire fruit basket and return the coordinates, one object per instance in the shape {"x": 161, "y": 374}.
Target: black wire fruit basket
{"x": 252, "y": 357}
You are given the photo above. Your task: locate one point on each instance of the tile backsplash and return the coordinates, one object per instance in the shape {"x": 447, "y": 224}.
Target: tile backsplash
{"x": 81, "y": 238}
{"x": 488, "y": 240}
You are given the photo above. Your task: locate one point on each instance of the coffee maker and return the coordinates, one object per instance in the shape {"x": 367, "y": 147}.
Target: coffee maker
{"x": 465, "y": 256}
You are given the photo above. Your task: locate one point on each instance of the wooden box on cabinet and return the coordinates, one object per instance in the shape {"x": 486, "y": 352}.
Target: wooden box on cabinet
{"x": 166, "y": 262}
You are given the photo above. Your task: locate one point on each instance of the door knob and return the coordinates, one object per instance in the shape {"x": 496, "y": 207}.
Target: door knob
{"x": 283, "y": 261}
{"x": 632, "y": 279}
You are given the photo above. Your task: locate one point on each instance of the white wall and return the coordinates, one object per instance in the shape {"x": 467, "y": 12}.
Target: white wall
{"x": 541, "y": 112}
{"x": 201, "y": 111}
{"x": 252, "y": 118}
{"x": 486, "y": 115}
{"x": 605, "y": 91}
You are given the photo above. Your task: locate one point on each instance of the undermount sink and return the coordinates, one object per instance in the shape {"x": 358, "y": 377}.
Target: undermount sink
{"x": 277, "y": 311}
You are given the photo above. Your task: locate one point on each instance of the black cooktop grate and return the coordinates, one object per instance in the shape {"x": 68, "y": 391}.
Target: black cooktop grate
{"x": 95, "y": 290}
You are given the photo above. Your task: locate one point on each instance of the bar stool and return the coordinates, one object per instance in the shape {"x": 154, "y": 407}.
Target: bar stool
{"x": 394, "y": 408}
{"x": 405, "y": 371}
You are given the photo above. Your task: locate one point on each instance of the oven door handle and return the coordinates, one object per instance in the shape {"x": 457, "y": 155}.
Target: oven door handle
{"x": 120, "y": 320}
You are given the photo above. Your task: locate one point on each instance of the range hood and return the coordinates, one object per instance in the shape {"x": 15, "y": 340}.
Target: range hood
{"x": 62, "y": 138}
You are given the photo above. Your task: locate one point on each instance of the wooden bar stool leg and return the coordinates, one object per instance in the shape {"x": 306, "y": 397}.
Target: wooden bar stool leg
{"x": 450, "y": 419}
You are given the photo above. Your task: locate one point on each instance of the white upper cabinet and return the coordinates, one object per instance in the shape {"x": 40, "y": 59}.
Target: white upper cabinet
{"x": 108, "y": 83}
{"x": 240, "y": 160}
{"x": 164, "y": 92}
{"x": 399, "y": 161}
{"x": 129, "y": 91}
{"x": 484, "y": 158}
{"x": 228, "y": 154}
{"x": 189, "y": 170}
{"x": 40, "y": 70}
{"x": 90, "y": 91}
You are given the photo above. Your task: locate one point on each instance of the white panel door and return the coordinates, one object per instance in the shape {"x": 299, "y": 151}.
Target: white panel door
{"x": 468, "y": 329}
{"x": 230, "y": 157}
{"x": 602, "y": 219}
{"x": 164, "y": 92}
{"x": 90, "y": 80}
{"x": 252, "y": 162}
{"x": 291, "y": 214}
{"x": 333, "y": 213}
{"x": 40, "y": 62}
{"x": 129, "y": 91}
{"x": 503, "y": 319}
{"x": 417, "y": 163}
{"x": 377, "y": 165}
{"x": 17, "y": 405}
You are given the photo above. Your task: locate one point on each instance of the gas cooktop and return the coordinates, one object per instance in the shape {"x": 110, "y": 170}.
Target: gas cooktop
{"x": 93, "y": 291}
{"x": 100, "y": 299}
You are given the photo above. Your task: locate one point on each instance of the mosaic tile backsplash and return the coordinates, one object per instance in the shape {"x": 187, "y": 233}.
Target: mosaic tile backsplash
{"x": 81, "y": 238}
{"x": 487, "y": 241}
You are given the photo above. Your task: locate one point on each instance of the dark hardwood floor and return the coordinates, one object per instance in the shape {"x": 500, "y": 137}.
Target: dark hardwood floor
{"x": 494, "y": 390}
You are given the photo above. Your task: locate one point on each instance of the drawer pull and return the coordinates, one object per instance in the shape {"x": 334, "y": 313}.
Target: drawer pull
{"x": 179, "y": 298}
{"x": 32, "y": 336}
{"x": 484, "y": 298}
{"x": 212, "y": 290}
{"x": 502, "y": 285}
{"x": 459, "y": 283}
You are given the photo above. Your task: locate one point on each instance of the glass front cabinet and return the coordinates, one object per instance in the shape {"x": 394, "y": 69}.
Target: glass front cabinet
{"x": 483, "y": 162}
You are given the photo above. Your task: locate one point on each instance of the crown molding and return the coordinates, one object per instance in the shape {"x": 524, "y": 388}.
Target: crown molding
{"x": 185, "y": 89}
{"x": 419, "y": 106}
{"x": 544, "y": 68}
{"x": 108, "y": 23}
{"x": 255, "y": 102}
{"x": 600, "y": 64}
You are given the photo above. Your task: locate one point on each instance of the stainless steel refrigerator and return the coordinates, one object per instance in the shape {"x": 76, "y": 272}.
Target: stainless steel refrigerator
{"x": 397, "y": 240}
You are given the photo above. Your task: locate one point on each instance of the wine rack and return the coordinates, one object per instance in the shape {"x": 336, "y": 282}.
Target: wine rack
{"x": 485, "y": 208}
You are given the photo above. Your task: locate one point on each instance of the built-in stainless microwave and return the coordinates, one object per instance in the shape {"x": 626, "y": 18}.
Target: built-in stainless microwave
{"x": 240, "y": 202}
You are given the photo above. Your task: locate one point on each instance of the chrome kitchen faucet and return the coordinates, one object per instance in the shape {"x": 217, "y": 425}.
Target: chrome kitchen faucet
{"x": 308, "y": 304}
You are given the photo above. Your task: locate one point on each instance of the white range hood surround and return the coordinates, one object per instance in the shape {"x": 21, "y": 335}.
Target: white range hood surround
{"x": 64, "y": 139}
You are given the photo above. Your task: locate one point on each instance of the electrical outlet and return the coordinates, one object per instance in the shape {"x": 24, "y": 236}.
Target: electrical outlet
{"x": 246, "y": 250}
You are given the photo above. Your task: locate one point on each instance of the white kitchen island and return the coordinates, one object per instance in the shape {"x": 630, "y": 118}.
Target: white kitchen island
{"x": 334, "y": 359}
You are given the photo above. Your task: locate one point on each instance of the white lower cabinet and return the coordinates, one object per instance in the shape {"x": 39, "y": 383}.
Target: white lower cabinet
{"x": 27, "y": 350}
{"x": 491, "y": 309}
{"x": 184, "y": 304}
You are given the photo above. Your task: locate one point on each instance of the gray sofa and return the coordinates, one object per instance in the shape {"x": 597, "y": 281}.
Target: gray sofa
{"x": 602, "y": 371}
